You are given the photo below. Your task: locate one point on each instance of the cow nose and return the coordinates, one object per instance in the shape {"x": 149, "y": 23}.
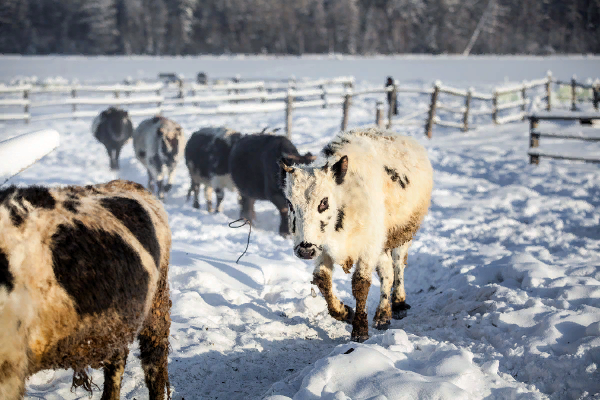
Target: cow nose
{"x": 305, "y": 250}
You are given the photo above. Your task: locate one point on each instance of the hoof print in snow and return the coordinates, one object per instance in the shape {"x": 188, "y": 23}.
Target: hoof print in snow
{"x": 400, "y": 310}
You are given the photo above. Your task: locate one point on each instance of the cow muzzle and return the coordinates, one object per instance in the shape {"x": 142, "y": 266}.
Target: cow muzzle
{"x": 306, "y": 251}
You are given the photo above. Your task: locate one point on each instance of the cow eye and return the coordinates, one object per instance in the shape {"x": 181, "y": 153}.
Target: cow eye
{"x": 289, "y": 203}
{"x": 324, "y": 205}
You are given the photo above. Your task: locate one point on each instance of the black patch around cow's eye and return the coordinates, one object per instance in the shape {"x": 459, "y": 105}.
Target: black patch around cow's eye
{"x": 137, "y": 220}
{"x": 6, "y": 278}
{"x": 324, "y": 205}
{"x": 339, "y": 223}
{"x": 99, "y": 270}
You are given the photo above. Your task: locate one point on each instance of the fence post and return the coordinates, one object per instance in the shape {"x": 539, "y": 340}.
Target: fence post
{"x": 524, "y": 99}
{"x": 347, "y": 101}
{"x": 262, "y": 90}
{"x": 495, "y": 107}
{"x": 392, "y": 106}
{"x": 549, "y": 91}
{"x": 289, "y": 103}
{"x": 158, "y": 94}
{"x": 467, "y": 108}
{"x": 379, "y": 114}
{"x": 323, "y": 95}
{"x": 596, "y": 91}
{"x": 432, "y": 107}
{"x": 180, "y": 91}
{"x": 534, "y": 139}
{"x": 74, "y": 95}
{"x": 573, "y": 93}
{"x": 26, "y": 97}
{"x": 116, "y": 94}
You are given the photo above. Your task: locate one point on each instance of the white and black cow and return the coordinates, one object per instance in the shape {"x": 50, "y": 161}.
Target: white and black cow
{"x": 207, "y": 158}
{"x": 83, "y": 273}
{"x": 253, "y": 164}
{"x": 361, "y": 204}
{"x": 113, "y": 128}
{"x": 159, "y": 143}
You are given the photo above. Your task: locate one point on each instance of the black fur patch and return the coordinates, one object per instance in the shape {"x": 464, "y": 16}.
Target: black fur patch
{"x": 339, "y": 223}
{"x": 294, "y": 225}
{"x": 72, "y": 205}
{"x": 339, "y": 170}
{"x": 99, "y": 270}
{"x": 137, "y": 220}
{"x": 396, "y": 177}
{"x": 328, "y": 150}
{"x": 323, "y": 225}
{"x": 6, "y": 278}
{"x": 37, "y": 196}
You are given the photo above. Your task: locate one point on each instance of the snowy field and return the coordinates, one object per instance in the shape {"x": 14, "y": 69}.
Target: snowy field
{"x": 503, "y": 277}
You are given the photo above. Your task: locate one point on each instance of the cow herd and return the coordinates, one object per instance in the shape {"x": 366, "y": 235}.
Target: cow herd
{"x": 84, "y": 270}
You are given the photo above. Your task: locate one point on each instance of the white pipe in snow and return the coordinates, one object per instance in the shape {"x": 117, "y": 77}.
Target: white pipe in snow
{"x": 20, "y": 152}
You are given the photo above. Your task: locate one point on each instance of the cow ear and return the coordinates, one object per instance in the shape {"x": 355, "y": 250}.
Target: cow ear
{"x": 339, "y": 170}
{"x": 284, "y": 166}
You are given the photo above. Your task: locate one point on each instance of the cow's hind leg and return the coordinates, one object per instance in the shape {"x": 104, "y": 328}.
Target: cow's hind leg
{"x": 220, "y": 196}
{"x": 247, "y": 204}
{"x": 154, "y": 342}
{"x": 113, "y": 376}
{"x": 399, "y": 305}
{"x": 385, "y": 270}
{"x": 322, "y": 279}
{"x": 361, "y": 283}
{"x": 281, "y": 204}
{"x": 208, "y": 194}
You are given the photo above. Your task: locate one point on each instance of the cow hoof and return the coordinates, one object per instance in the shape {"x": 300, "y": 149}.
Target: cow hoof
{"x": 349, "y": 314}
{"x": 168, "y": 187}
{"x": 359, "y": 338}
{"x": 382, "y": 325}
{"x": 400, "y": 310}
{"x": 196, "y": 205}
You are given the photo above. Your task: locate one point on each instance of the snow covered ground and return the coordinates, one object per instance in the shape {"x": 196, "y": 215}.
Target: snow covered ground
{"x": 503, "y": 277}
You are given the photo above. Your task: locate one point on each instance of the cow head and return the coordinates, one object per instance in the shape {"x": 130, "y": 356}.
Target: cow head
{"x": 171, "y": 143}
{"x": 120, "y": 124}
{"x": 315, "y": 204}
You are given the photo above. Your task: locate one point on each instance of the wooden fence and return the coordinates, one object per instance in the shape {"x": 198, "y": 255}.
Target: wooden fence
{"x": 177, "y": 98}
{"x": 581, "y": 132}
{"x": 219, "y": 98}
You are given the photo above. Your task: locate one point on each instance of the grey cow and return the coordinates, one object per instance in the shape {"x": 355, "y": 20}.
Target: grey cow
{"x": 158, "y": 143}
{"x": 207, "y": 158}
{"x": 113, "y": 128}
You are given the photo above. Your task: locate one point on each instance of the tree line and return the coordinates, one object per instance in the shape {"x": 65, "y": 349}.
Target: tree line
{"x": 178, "y": 27}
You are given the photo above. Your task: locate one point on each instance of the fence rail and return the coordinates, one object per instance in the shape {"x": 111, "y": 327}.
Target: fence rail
{"x": 18, "y": 153}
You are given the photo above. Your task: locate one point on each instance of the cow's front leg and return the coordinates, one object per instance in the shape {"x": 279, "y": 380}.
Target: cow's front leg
{"x": 385, "y": 271}
{"x": 399, "y": 305}
{"x": 361, "y": 282}
{"x": 150, "y": 181}
{"x": 170, "y": 177}
{"x": 322, "y": 279}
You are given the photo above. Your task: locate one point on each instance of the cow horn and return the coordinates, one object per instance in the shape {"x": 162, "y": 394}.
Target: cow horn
{"x": 285, "y": 167}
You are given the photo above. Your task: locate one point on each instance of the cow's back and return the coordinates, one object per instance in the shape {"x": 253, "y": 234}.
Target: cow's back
{"x": 84, "y": 264}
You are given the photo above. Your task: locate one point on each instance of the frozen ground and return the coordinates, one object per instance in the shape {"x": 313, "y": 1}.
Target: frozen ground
{"x": 503, "y": 279}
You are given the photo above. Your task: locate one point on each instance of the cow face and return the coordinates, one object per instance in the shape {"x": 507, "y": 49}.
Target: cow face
{"x": 121, "y": 127}
{"x": 315, "y": 205}
{"x": 169, "y": 145}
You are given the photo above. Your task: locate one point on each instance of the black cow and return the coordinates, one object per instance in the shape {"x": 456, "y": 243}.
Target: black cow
{"x": 254, "y": 168}
{"x": 207, "y": 158}
{"x": 113, "y": 128}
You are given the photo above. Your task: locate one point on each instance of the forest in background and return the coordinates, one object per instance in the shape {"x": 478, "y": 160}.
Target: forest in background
{"x": 181, "y": 27}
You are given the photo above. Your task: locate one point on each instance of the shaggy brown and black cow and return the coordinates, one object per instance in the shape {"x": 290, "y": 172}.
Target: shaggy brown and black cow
{"x": 158, "y": 143}
{"x": 83, "y": 272}
{"x": 207, "y": 158}
{"x": 113, "y": 128}
{"x": 254, "y": 168}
